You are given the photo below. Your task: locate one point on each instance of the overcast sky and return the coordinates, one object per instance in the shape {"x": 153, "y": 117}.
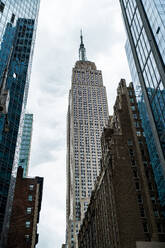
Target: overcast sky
{"x": 56, "y": 51}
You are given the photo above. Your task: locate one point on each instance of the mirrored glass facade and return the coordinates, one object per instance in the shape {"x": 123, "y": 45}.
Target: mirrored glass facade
{"x": 24, "y": 154}
{"x": 18, "y": 20}
{"x": 145, "y": 48}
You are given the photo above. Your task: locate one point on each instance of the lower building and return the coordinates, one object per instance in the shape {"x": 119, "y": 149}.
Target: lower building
{"x": 64, "y": 246}
{"x": 124, "y": 209}
{"x": 25, "y": 212}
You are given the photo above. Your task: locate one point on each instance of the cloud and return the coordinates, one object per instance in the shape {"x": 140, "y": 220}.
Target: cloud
{"x": 56, "y": 51}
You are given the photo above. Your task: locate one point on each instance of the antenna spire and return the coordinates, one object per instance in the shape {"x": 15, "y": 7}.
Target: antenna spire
{"x": 82, "y": 50}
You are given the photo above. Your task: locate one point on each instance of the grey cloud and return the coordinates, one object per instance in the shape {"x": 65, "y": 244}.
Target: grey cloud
{"x": 56, "y": 52}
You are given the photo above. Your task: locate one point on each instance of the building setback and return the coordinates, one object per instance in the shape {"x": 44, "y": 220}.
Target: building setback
{"x": 24, "y": 153}
{"x": 25, "y": 212}
{"x": 145, "y": 25}
{"x": 87, "y": 115}
{"x": 124, "y": 210}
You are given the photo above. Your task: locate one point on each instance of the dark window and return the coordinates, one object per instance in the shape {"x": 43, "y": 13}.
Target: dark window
{"x": 130, "y": 143}
{"x": 145, "y": 226}
{"x": 150, "y": 186}
{"x": 2, "y": 6}
{"x": 147, "y": 174}
{"x": 156, "y": 213}
{"x": 153, "y": 199}
{"x": 142, "y": 212}
{"x": 137, "y": 186}
{"x": 159, "y": 227}
{"x": 12, "y": 18}
{"x": 158, "y": 29}
{"x": 135, "y": 173}
{"x": 131, "y": 152}
{"x": 27, "y": 237}
{"x": 133, "y": 162}
{"x": 140, "y": 199}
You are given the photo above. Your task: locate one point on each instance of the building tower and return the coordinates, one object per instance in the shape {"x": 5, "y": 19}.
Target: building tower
{"x": 18, "y": 21}
{"x": 145, "y": 48}
{"x": 87, "y": 115}
{"x": 24, "y": 154}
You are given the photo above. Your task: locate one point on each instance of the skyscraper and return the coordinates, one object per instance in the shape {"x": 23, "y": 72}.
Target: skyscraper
{"x": 26, "y": 143}
{"x": 145, "y": 48}
{"x": 18, "y": 20}
{"x": 87, "y": 115}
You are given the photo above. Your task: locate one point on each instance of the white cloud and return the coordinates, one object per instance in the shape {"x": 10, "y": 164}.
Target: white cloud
{"x": 56, "y": 52}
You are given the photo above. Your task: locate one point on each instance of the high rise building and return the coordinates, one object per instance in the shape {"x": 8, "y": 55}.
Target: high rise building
{"x": 25, "y": 212}
{"x": 25, "y": 146}
{"x": 124, "y": 210}
{"x": 87, "y": 115}
{"x": 145, "y": 48}
{"x": 18, "y": 20}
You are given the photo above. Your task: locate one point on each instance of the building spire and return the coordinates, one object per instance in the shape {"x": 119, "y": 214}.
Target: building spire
{"x": 82, "y": 50}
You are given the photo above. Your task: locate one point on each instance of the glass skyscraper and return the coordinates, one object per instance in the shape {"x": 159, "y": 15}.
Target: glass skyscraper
{"x": 18, "y": 20}
{"x": 145, "y": 25}
{"x": 25, "y": 146}
{"x": 87, "y": 115}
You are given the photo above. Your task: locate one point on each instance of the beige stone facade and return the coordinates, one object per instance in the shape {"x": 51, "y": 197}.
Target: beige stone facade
{"x": 87, "y": 115}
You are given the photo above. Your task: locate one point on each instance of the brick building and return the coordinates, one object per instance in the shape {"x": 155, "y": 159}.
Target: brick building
{"x": 25, "y": 212}
{"x": 124, "y": 210}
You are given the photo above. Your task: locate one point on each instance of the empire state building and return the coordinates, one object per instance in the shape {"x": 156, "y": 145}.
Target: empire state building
{"x": 87, "y": 115}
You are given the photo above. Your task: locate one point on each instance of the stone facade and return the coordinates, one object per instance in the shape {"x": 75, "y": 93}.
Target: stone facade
{"x": 124, "y": 207}
{"x": 87, "y": 115}
{"x": 25, "y": 212}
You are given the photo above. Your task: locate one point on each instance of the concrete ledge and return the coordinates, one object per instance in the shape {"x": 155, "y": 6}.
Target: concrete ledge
{"x": 142, "y": 244}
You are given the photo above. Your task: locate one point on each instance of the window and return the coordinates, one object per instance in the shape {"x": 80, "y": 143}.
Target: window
{"x": 30, "y": 198}
{"x": 145, "y": 226}
{"x": 159, "y": 227}
{"x": 27, "y": 224}
{"x": 138, "y": 133}
{"x": 135, "y": 173}
{"x": 136, "y": 124}
{"x": 133, "y": 108}
{"x": 130, "y": 143}
{"x": 131, "y": 152}
{"x": 150, "y": 186}
{"x": 12, "y": 18}
{"x": 142, "y": 212}
{"x": 28, "y": 210}
{"x": 31, "y": 186}
{"x": 156, "y": 213}
{"x": 153, "y": 199}
{"x": 130, "y": 93}
{"x": 133, "y": 162}
{"x": 2, "y": 6}
{"x": 137, "y": 186}
{"x": 135, "y": 116}
{"x": 140, "y": 199}
{"x": 27, "y": 237}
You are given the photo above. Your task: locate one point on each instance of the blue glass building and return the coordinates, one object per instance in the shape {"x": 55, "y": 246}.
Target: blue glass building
{"x": 145, "y": 25}
{"x": 24, "y": 153}
{"x": 18, "y": 20}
